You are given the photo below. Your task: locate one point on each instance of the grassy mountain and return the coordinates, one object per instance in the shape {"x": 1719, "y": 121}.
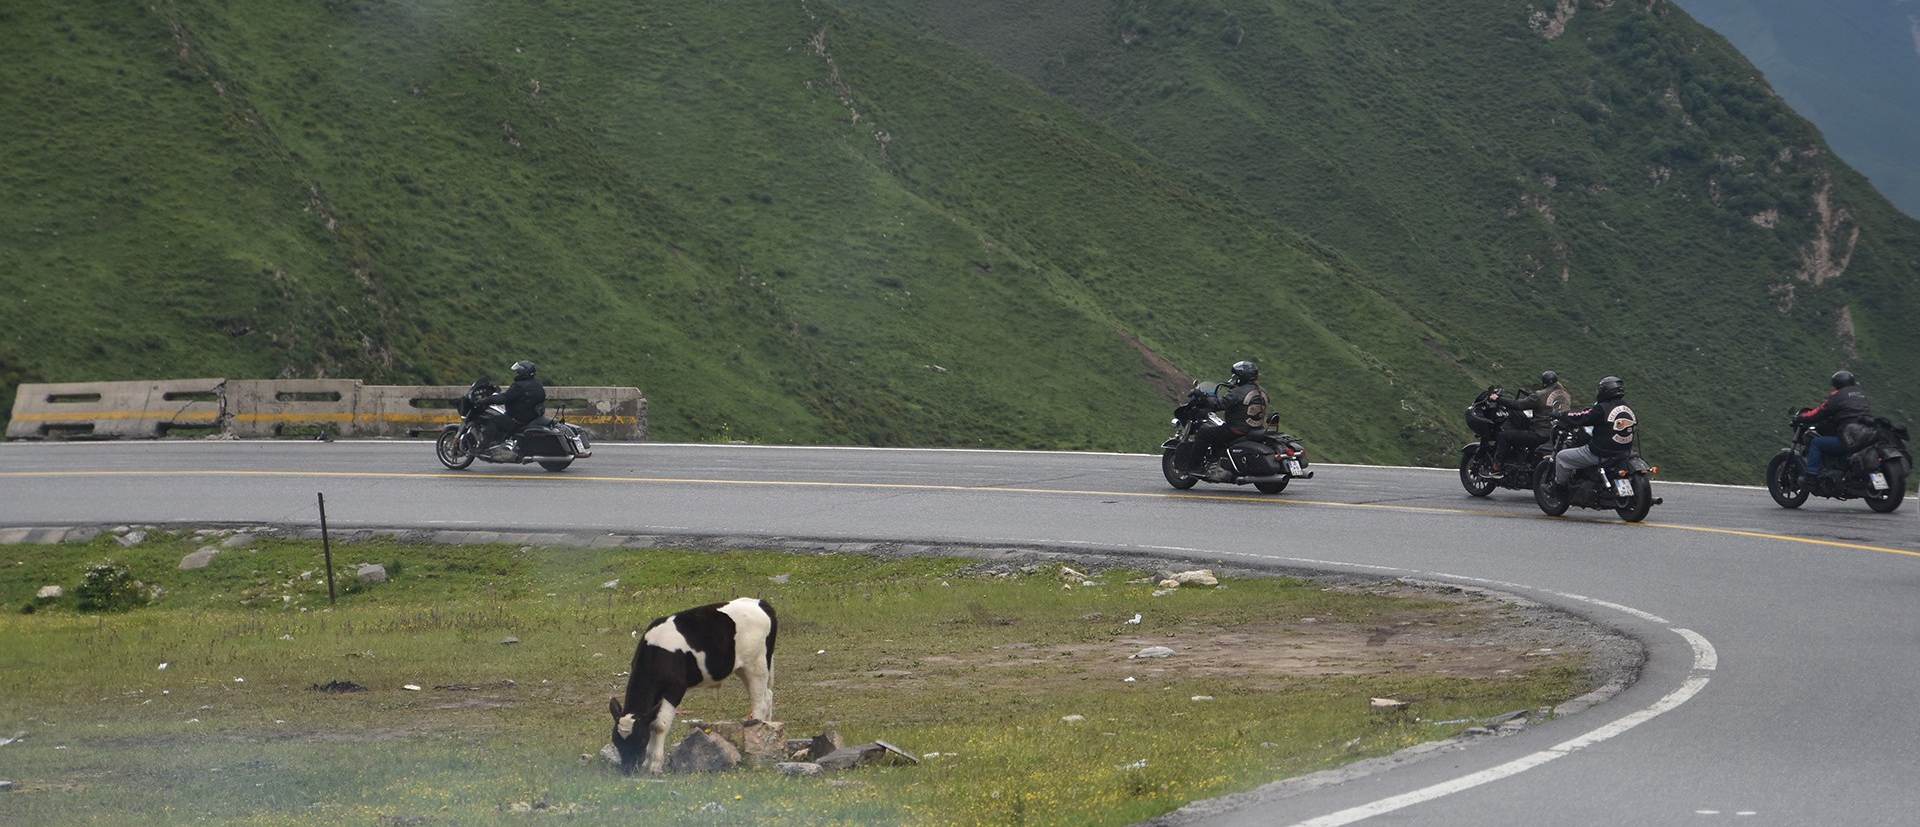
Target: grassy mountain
{"x": 1852, "y": 67}
{"x": 887, "y": 222}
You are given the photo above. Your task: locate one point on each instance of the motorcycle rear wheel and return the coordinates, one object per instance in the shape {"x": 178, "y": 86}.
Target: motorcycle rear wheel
{"x": 555, "y": 464}
{"x": 1174, "y": 477}
{"x": 1475, "y": 484}
{"x": 1787, "y": 480}
{"x": 1883, "y": 502}
{"x": 1273, "y": 487}
{"x": 1640, "y": 503}
{"x": 1550, "y": 505}
{"x": 452, "y": 454}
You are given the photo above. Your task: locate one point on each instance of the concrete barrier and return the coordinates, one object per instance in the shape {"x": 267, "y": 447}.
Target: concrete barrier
{"x": 259, "y": 409}
{"x": 72, "y": 410}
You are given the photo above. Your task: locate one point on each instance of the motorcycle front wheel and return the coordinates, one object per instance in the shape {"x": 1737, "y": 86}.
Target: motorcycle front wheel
{"x": 1174, "y": 477}
{"x": 1787, "y": 480}
{"x": 1543, "y": 496}
{"x": 1634, "y": 509}
{"x": 1475, "y": 484}
{"x": 1883, "y": 502}
{"x": 452, "y": 454}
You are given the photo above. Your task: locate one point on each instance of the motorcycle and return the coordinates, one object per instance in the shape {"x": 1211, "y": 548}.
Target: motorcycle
{"x": 1486, "y": 418}
{"x": 553, "y": 443}
{"x": 1624, "y": 484}
{"x": 1875, "y": 469}
{"x": 1267, "y": 459}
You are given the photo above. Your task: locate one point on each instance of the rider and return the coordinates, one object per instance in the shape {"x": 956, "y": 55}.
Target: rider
{"x": 1551, "y": 399}
{"x": 1844, "y": 405}
{"x": 1613, "y": 437}
{"x": 1245, "y": 403}
{"x": 524, "y": 400}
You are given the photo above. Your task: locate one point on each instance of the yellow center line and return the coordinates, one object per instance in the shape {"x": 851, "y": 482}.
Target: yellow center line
{"x": 902, "y": 486}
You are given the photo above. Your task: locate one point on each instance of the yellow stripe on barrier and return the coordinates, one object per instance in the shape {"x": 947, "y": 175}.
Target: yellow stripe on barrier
{"x": 80, "y": 416}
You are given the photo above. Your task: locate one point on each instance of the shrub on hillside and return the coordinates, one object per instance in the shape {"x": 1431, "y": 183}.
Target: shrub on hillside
{"x": 109, "y": 587}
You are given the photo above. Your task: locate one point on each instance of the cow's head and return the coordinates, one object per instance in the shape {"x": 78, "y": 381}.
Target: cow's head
{"x": 629, "y": 736}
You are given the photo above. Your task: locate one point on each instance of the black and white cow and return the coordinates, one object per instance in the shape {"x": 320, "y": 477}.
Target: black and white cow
{"x": 684, "y": 650}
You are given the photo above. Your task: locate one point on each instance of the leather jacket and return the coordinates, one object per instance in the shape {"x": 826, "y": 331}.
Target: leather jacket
{"x": 525, "y": 399}
{"x": 1613, "y": 427}
{"x": 1842, "y": 407}
{"x": 1245, "y": 407}
{"x": 1543, "y": 404}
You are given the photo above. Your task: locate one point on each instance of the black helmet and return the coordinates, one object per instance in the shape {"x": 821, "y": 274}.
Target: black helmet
{"x": 1611, "y": 388}
{"x": 1245, "y": 371}
{"x": 1842, "y": 379}
{"x": 1548, "y": 377}
{"x": 524, "y": 369}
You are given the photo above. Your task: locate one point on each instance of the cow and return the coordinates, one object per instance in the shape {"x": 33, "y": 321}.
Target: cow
{"x": 683, "y": 650}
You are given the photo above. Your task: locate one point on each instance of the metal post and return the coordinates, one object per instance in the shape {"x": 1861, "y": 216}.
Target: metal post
{"x": 326, "y": 545}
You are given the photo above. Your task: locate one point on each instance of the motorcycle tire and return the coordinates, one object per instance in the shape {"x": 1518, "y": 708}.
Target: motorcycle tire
{"x": 1273, "y": 487}
{"x": 1174, "y": 477}
{"x": 1550, "y": 505}
{"x": 555, "y": 464}
{"x": 1883, "y": 502}
{"x": 1787, "y": 480}
{"x": 1635, "y": 508}
{"x": 452, "y": 453}
{"x": 1475, "y": 484}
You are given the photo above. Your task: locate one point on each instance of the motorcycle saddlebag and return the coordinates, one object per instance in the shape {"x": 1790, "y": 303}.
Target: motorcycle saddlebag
{"x": 1252, "y": 459}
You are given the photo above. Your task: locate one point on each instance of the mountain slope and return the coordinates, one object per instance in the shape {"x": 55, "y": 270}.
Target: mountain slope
{"x": 881, "y": 222}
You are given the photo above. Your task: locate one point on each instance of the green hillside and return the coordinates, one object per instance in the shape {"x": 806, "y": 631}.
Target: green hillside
{"x": 888, "y": 222}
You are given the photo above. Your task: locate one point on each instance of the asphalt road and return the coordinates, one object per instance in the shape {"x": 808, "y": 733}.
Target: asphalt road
{"x": 1779, "y": 689}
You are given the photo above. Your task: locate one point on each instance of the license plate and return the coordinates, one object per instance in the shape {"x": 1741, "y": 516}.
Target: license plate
{"x": 1623, "y": 487}
{"x": 1293, "y": 466}
{"x": 1879, "y": 481}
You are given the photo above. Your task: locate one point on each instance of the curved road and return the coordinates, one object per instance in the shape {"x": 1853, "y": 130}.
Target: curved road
{"x": 1784, "y": 646}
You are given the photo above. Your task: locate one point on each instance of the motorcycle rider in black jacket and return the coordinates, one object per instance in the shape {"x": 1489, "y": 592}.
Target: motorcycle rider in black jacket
{"x": 1245, "y": 404}
{"x": 1844, "y": 405}
{"x": 525, "y": 401}
{"x": 1551, "y": 399}
{"x": 1613, "y": 437}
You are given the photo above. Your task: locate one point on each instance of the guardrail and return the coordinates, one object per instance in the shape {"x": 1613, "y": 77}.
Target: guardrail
{"x": 254, "y": 408}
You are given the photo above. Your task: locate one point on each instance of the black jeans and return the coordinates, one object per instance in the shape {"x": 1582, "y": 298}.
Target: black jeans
{"x": 1207, "y": 440}
{"x": 1509, "y": 445}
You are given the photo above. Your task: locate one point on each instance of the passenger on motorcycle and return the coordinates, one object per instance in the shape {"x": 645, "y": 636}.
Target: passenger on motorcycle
{"x": 1549, "y": 401}
{"x": 1844, "y": 405}
{"x": 1613, "y": 426}
{"x": 1245, "y": 404}
{"x": 525, "y": 400}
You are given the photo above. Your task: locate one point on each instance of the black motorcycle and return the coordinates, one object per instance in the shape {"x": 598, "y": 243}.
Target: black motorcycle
{"x": 553, "y": 443}
{"x": 1624, "y": 484}
{"x": 1875, "y": 469}
{"x": 1486, "y": 418}
{"x": 1268, "y": 459}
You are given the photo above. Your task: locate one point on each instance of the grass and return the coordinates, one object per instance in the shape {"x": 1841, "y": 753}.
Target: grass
{"x": 976, "y": 663}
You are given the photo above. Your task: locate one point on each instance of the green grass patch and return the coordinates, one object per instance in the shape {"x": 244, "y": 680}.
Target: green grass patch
{"x": 196, "y": 700}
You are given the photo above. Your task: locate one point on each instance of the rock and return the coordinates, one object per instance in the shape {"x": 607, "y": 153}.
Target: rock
{"x": 824, "y": 744}
{"x": 801, "y": 768}
{"x": 509, "y": 640}
{"x": 781, "y": 579}
{"x": 49, "y": 593}
{"x": 130, "y": 539}
{"x": 1074, "y": 719}
{"x": 1386, "y": 705}
{"x": 702, "y": 751}
{"x": 372, "y": 573}
{"x": 237, "y": 541}
{"x": 611, "y": 755}
{"x": 762, "y": 742}
{"x": 198, "y": 559}
{"x": 1197, "y": 577}
{"x": 6, "y": 786}
{"x": 850, "y": 757}
{"x": 1152, "y": 652}
{"x": 1068, "y": 574}
{"x": 1169, "y": 583}
{"x": 611, "y": 584}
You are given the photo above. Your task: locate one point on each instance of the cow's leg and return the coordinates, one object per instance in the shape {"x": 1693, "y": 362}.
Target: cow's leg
{"x": 657, "y": 738}
{"x": 759, "y": 680}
